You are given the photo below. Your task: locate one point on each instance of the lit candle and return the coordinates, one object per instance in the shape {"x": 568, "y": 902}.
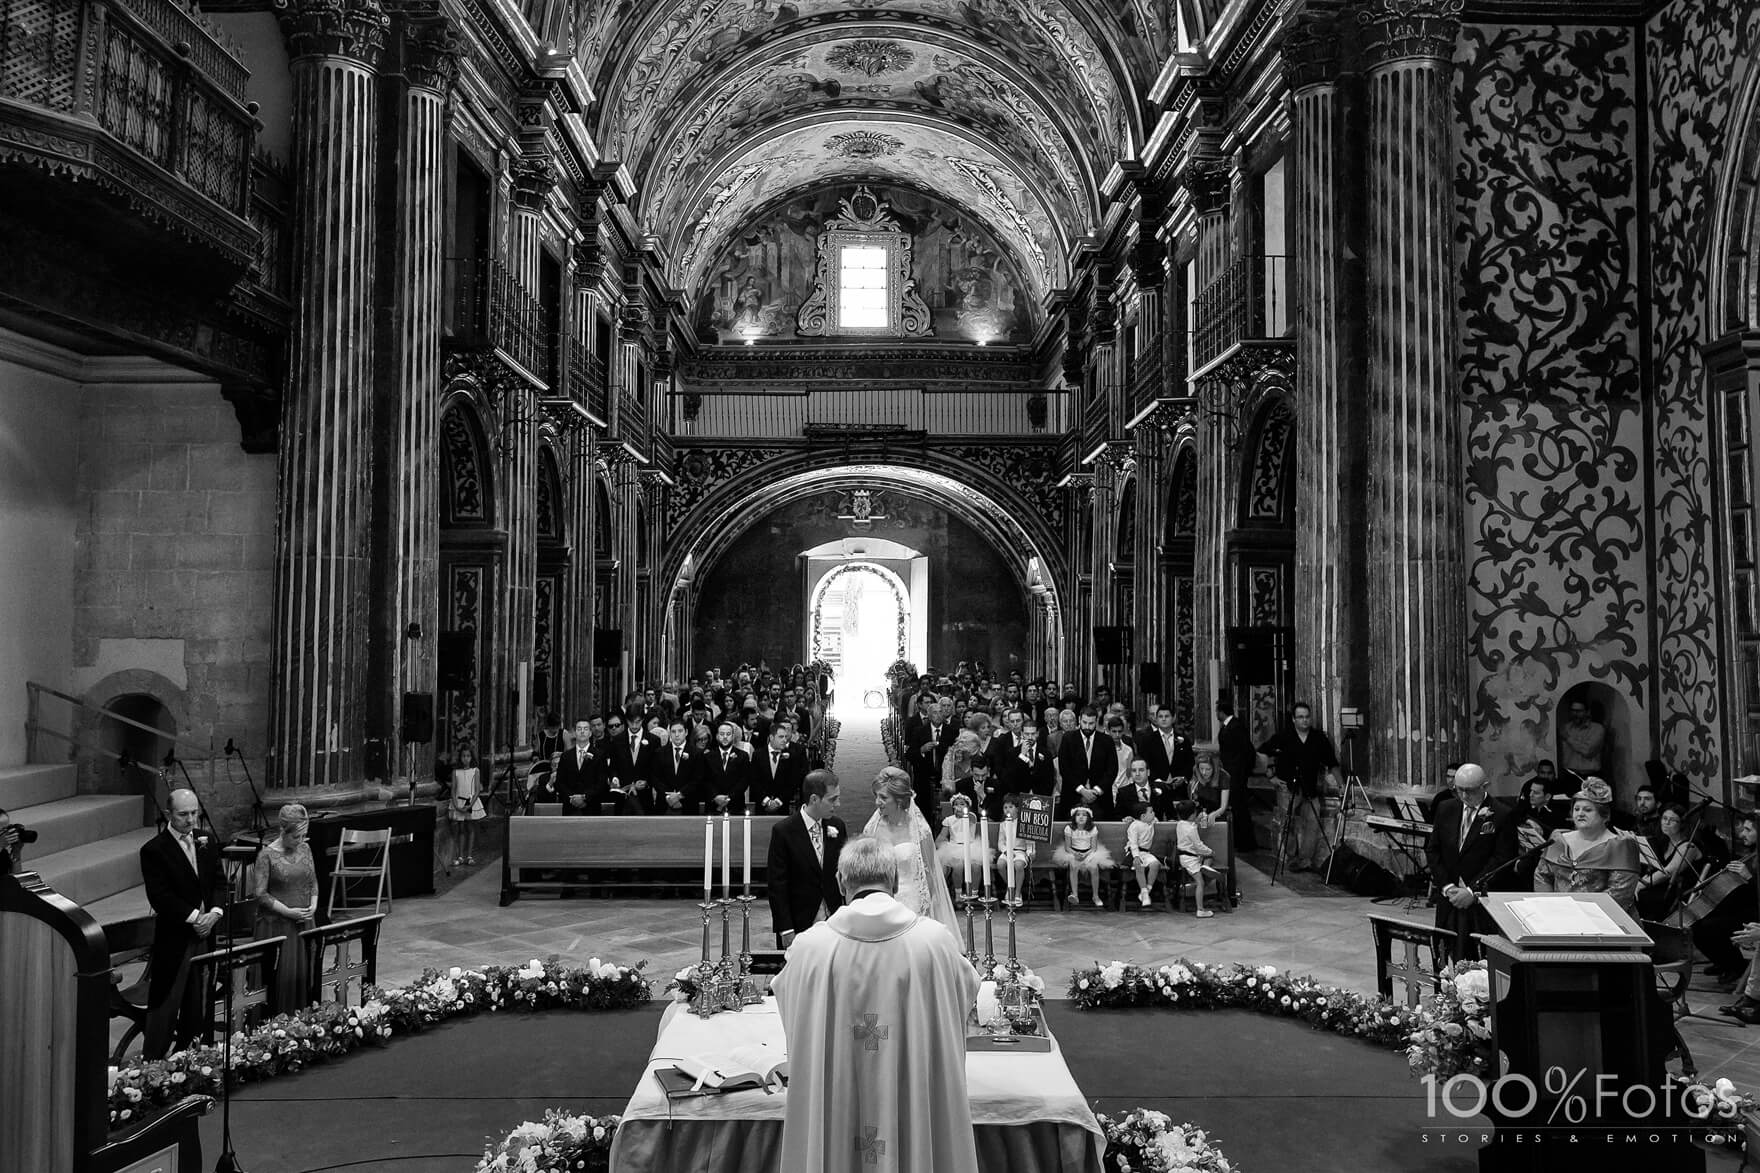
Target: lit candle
{"x": 748, "y": 875}
{"x": 965, "y": 834}
{"x": 984, "y": 845}
{"x": 727, "y": 855}
{"x": 708, "y": 858}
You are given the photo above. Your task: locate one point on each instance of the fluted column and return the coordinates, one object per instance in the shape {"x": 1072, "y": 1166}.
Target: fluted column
{"x": 1149, "y": 625}
{"x": 1209, "y": 184}
{"x": 323, "y": 543}
{"x": 1326, "y": 522}
{"x": 429, "y": 53}
{"x": 1417, "y": 572}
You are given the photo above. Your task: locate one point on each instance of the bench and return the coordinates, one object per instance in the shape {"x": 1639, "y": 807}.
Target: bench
{"x": 623, "y": 851}
{"x": 1219, "y": 837}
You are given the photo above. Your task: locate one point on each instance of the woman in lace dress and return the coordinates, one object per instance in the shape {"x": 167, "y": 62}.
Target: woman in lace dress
{"x": 900, "y": 826}
{"x": 287, "y": 902}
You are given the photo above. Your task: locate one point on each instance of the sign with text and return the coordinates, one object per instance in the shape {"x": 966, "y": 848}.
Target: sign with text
{"x": 1036, "y": 818}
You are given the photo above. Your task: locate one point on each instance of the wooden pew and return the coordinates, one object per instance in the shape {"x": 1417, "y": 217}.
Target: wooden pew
{"x": 54, "y": 1037}
{"x": 1219, "y": 837}
{"x": 622, "y": 851}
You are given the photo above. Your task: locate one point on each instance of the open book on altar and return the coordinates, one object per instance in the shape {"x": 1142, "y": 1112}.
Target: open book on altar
{"x": 753, "y": 1066}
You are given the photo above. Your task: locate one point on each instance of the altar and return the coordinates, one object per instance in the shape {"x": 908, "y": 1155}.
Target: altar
{"x": 1028, "y": 1115}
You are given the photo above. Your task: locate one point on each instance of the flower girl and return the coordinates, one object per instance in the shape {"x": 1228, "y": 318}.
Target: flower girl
{"x": 1014, "y": 855}
{"x": 1082, "y": 851}
{"x": 959, "y": 843}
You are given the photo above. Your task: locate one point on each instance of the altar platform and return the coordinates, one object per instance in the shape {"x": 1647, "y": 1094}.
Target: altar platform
{"x": 1028, "y": 1114}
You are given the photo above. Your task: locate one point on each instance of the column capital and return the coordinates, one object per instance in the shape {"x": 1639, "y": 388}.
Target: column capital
{"x": 1208, "y": 182}
{"x": 534, "y": 178}
{"x": 351, "y": 29}
{"x": 1408, "y": 30}
{"x": 1312, "y": 49}
{"x": 431, "y": 48}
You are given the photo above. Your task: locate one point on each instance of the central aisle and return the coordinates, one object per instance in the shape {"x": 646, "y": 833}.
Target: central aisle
{"x": 860, "y": 755}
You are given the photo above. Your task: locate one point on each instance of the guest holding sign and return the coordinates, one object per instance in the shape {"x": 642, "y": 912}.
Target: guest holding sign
{"x": 803, "y": 856}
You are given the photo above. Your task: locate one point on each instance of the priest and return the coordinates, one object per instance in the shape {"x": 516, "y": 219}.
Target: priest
{"x": 873, "y": 1004}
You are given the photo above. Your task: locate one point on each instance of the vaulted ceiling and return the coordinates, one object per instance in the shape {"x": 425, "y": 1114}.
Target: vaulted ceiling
{"x": 1011, "y": 110}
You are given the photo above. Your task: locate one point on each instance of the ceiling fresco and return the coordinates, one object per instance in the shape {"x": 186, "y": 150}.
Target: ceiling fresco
{"x": 1012, "y": 110}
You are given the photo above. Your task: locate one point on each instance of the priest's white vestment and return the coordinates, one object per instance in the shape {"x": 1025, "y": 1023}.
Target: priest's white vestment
{"x": 874, "y": 1004}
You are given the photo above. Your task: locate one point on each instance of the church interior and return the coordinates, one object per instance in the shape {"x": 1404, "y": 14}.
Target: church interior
{"x": 388, "y": 385}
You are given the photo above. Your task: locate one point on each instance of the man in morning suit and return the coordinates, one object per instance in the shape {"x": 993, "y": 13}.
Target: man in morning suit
{"x": 723, "y": 778}
{"x": 777, "y": 771}
{"x": 1168, "y": 752}
{"x": 802, "y": 867}
{"x": 1028, "y": 769}
{"x": 678, "y": 774}
{"x": 1235, "y": 750}
{"x": 630, "y": 771}
{"x": 1469, "y": 841}
{"x": 181, "y": 871}
{"x": 933, "y": 739}
{"x": 580, "y": 777}
{"x": 1087, "y": 764}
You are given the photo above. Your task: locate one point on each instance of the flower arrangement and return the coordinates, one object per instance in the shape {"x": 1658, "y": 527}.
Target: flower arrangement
{"x": 889, "y": 740}
{"x": 684, "y": 985}
{"x": 820, "y": 668}
{"x": 560, "y": 1143}
{"x": 1200, "y": 986}
{"x": 1455, "y": 1034}
{"x": 1142, "y": 1141}
{"x": 330, "y": 1030}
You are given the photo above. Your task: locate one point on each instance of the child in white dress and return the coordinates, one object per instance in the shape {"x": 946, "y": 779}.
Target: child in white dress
{"x": 1194, "y": 856}
{"x": 959, "y": 842}
{"x": 466, "y": 807}
{"x": 1014, "y": 855}
{"x": 1081, "y": 852}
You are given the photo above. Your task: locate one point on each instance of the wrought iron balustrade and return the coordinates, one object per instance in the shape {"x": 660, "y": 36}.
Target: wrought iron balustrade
{"x": 1249, "y": 299}
{"x": 155, "y": 81}
{"x": 586, "y": 382}
{"x": 486, "y": 305}
{"x": 632, "y": 418}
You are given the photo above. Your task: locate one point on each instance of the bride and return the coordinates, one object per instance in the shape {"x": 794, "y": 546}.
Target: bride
{"x": 900, "y": 826}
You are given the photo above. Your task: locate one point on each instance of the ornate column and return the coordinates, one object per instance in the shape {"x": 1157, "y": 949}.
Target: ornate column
{"x": 576, "y": 629}
{"x": 1209, "y": 185}
{"x": 1327, "y": 524}
{"x": 428, "y": 55}
{"x": 1417, "y": 571}
{"x": 1149, "y": 585}
{"x": 323, "y": 543}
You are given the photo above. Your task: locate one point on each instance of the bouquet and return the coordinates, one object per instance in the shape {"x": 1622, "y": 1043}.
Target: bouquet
{"x": 1149, "y": 1142}
{"x": 1454, "y": 1037}
{"x": 560, "y": 1143}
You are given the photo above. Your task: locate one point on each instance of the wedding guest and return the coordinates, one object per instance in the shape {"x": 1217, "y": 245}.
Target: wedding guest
{"x": 960, "y": 849}
{"x": 1087, "y": 764}
{"x": 1139, "y": 840}
{"x": 1677, "y": 865}
{"x": 1014, "y": 855}
{"x": 1192, "y": 852}
{"x": 579, "y": 776}
{"x": 181, "y": 872}
{"x": 287, "y": 903}
{"x": 1591, "y": 856}
{"x": 1082, "y": 852}
{"x": 1471, "y": 841}
{"x": 1239, "y": 758}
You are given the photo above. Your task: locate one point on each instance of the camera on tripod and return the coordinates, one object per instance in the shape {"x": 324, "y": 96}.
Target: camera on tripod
{"x": 1351, "y": 719}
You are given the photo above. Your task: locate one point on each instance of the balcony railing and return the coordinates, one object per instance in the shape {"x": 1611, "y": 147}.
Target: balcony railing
{"x": 586, "y": 383}
{"x": 148, "y": 75}
{"x": 487, "y": 306}
{"x": 1250, "y": 299}
{"x": 632, "y": 419}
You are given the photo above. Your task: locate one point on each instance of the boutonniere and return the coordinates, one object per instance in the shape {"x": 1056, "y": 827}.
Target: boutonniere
{"x": 683, "y": 756}
{"x": 1484, "y": 815}
{"x": 830, "y": 831}
{"x": 201, "y": 840}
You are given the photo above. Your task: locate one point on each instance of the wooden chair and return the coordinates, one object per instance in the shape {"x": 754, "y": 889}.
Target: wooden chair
{"x": 341, "y": 957}
{"x": 375, "y": 846}
{"x": 1416, "y": 976}
{"x": 54, "y": 1029}
{"x": 249, "y": 969}
{"x": 130, "y": 943}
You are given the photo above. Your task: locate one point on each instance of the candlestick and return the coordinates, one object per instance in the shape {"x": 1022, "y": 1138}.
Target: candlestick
{"x": 989, "y": 903}
{"x": 965, "y": 834}
{"x": 726, "y": 856}
{"x": 705, "y": 1001}
{"x": 748, "y": 989}
{"x": 984, "y": 846}
{"x": 708, "y": 867}
{"x": 1014, "y": 963}
{"x": 748, "y": 874}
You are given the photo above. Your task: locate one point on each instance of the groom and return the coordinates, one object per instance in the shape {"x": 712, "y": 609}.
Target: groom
{"x": 802, "y": 866}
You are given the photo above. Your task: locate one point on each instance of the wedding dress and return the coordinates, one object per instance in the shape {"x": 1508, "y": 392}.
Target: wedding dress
{"x": 921, "y": 886}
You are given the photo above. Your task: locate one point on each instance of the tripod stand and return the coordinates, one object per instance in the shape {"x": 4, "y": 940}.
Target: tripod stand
{"x": 1347, "y": 802}
{"x": 1298, "y": 802}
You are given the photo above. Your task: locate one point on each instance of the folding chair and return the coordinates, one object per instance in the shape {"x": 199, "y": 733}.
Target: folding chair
{"x": 376, "y": 847}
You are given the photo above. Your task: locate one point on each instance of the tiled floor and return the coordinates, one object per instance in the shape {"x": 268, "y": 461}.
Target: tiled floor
{"x": 1298, "y": 925}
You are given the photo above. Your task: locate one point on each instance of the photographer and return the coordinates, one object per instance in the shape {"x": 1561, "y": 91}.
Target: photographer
{"x": 13, "y": 837}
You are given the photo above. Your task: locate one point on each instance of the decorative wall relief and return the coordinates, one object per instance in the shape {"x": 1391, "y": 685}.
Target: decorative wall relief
{"x": 1696, "y": 51}
{"x": 969, "y": 284}
{"x": 864, "y": 221}
{"x": 1546, "y": 201}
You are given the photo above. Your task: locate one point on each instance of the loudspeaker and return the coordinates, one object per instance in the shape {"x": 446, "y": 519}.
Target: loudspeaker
{"x": 1149, "y": 677}
{"x": 456, "y": 660}
{"x": 1252, "y": 655}
{"x": 1109, "y": 645}
{"x": 607, "y": 647}
{"x": 1362, "y": 876}
{"x": 418, "y": 717}
{"x": 374, "y": 754}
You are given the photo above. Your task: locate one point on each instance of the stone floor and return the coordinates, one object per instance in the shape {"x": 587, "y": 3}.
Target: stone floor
{"x": 1296, "y": 924}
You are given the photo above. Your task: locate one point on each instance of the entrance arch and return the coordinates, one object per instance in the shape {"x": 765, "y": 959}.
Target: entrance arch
{"x": 831, "y": 621}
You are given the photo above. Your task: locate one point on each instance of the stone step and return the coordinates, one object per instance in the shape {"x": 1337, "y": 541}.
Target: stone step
{"x": 69, "y": 822}
{"x": 125, "y": 905}
{"x": 88, "y": 873}
{"x": 22, "y": 786}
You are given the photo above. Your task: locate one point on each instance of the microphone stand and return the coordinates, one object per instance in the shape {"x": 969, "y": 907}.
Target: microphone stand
{"x": 259, "y": 819}
{"x": 125, "y": 762}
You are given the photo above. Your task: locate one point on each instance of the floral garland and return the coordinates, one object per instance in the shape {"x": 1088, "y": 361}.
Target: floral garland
{"x": 889, "y": 739}
{"x": 1455, "y": 1035}
{"x": 1140, "y": 1141}
{"x": 330, "y": 1030}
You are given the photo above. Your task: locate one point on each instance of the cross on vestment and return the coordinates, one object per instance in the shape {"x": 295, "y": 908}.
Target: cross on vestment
{"x": 870, "y": 1146}
{"x": 869, "y": 1032}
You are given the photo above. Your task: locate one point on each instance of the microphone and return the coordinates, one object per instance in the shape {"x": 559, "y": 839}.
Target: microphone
{"x": 170, "y": 757}
{"x": 230, "y": 749}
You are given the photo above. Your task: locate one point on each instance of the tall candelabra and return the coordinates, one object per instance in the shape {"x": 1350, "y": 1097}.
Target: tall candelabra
{"x": 748, "y": 988}
{"x": 704, "y": 1000}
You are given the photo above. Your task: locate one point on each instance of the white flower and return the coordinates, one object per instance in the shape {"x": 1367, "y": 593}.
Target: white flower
{"x": 1266, "y": 971}
{"x": 830, "y": 831}
{"x": 1034, "y": 983}
{"x": 1473, "y": 987}
{"x": 1113, "y": 975}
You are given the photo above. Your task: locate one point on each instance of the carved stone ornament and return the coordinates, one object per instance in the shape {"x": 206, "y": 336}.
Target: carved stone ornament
{"x": 534, "y": 178}
{"x": 1406, "y": 30}
{"x": 865, "y": 219}
{"x": 1207, "y": 181}
{"x": 430, "y": 54}
{"x": 589, "y": 261}
{"x": 1311, "y": 50}
{"x": 354, "y": 29}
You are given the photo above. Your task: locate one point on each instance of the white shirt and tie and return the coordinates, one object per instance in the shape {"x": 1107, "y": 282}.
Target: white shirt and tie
{"x": 816, "y": 833}
{"x": 187, "y": 843}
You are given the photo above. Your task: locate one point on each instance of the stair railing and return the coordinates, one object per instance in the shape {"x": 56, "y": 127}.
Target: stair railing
{"x": 34, "y": 727}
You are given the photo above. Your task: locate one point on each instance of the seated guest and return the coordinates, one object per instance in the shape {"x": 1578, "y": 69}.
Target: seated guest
{"x": 1646, "y": 812}
{"x": 1082, "y": 852}
{"x": 287, "y": 902}
{"x": 1139, "y": 844}
{"x": 1747, "y": 1007}
{"x": 1535, "y": 820}
{"x": 1677, "y": 865}
{"x": 1712, "y": 932}
{"x": 1137, "y": 789}
{"x": 677, "y": 769}
{"x": 1592, "y": 856}
{"x": 181, "y": 871}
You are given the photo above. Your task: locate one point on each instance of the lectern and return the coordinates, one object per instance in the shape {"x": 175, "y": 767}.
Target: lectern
{"x": 1578, "y": 1036}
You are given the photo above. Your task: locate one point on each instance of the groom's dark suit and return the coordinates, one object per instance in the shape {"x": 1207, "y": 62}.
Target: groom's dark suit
{"x": 799, "y": 881}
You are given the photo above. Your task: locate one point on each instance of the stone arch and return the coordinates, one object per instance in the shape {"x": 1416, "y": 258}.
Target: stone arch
{"x": 123, "y": 693}
{"x": 900, "y": 594}
{"x": 1268, "y": 459}
{"x": 551, "y": 506}
{"x": 1735, "y": 233}
{"x": 467, "y": 481}
{"x": 1124, "y": 528}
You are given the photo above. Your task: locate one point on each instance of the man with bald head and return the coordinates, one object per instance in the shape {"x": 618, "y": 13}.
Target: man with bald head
{"x": 1472, "y": 837}
{"x": 181, "y": 871}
